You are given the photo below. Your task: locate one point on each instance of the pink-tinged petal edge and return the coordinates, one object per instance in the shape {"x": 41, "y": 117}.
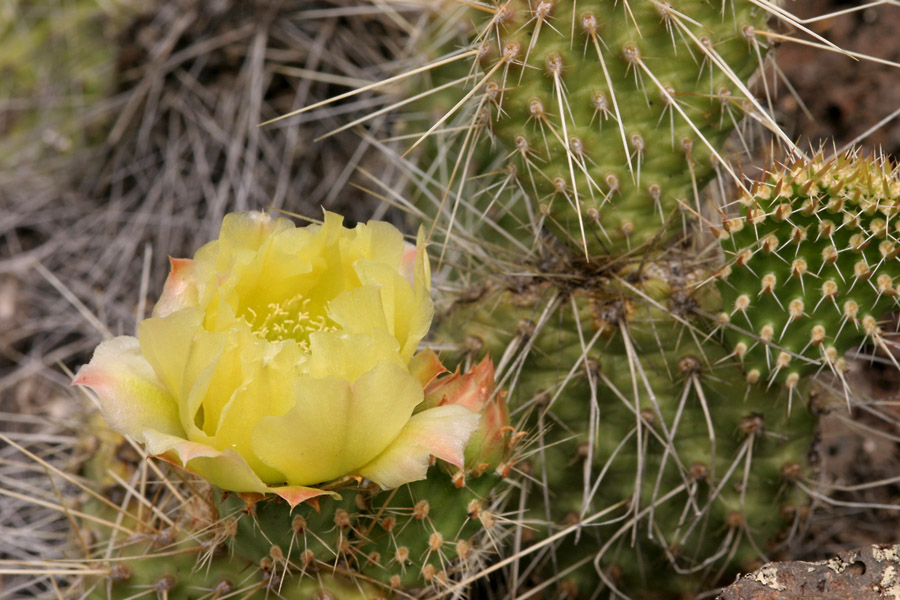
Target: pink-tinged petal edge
{"x": 295, "y": 495}
{"x": 408, "y": 262}
{"x": 240, "y": 479}
{"x": 425, "y": 366}
{"x": 180, "y": 289}
{"x": 130, "y": 395}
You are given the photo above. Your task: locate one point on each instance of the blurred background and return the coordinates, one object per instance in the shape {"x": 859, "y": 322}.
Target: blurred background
{"x": 128, "y": 129}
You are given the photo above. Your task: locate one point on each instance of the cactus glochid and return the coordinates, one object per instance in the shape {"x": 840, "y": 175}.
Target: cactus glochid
{"x": 668, "y": 379}
{"x": 641, "y": 423}
{"x": 607, "y": 136}
{"x": 605, "y": 119}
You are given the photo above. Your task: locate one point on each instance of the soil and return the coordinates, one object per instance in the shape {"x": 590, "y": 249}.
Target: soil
{"x": 845, "y": 97}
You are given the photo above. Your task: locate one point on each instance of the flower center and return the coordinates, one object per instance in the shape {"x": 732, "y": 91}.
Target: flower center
{"x": 291, "y": 319}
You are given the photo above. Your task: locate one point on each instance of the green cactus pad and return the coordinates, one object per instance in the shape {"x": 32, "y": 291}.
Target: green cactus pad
{"x": 652, "y": 452}
{"x": 813, "y": 266}
{"x": 611, "y": 115}
{"x": 185, "y": 539}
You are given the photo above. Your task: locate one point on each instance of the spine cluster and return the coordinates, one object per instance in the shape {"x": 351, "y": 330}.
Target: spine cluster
{"x": 812, "y": 267}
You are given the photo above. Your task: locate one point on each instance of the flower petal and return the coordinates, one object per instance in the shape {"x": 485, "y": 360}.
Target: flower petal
{"x": 224, "y": 468}
{"x": 269, "y": 376}
{"x": 180, "y": 290}
{"x": 487, "y": 446}
{"x": 379, "y": 241}
{"x": 295, "y": 495}
{"x": 211, "y": 373}
{"x": 349, "y": 356}
{"x": 131, "y": 396}
{"x": 471, "y": 389}
{"x": 425, "y": 366}
{"x": 407, "y": 310}
{"x": 442, "y": 432}
{"x": 335, "y": 427}
{"x": 166, "y": 342}
{"x": 422, "y": 271}
{"x": 409, "y": 262}
{"x": 240, "y": 238}
{"x": 359, "y": 310}
{"x": 280, "y": 356}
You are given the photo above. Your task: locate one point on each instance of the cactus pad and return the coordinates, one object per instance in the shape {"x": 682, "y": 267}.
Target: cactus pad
{"x": 813, "y": 266}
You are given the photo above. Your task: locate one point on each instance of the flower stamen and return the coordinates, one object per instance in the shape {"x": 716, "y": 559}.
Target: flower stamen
{"x": 291, "y": 319}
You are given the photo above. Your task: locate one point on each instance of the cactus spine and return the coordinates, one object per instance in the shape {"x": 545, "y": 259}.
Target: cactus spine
{"x": 643, "y": 423}
{"x": 599, "y": 125}
{"x": 199, "y": 540}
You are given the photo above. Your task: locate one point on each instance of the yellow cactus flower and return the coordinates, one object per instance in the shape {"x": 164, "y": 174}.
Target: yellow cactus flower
{"x": 279, "y": 358}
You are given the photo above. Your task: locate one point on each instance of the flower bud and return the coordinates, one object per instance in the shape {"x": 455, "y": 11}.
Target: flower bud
{"x": 474, "y": 389}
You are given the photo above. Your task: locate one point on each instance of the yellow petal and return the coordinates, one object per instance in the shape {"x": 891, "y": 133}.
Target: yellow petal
{"x": 213, "y": 370}
{"x": 243, "y": 232}
{"x": 307, "y": 333}
{"x": 442, "y": 432}
{"x": 422, "y": 273}
{"x": 221, "y": 264}
{"x": 408, "y": 314}
{"x": 359, "y": 310}
{"x": 268, "y": 388}
{"x": 224, "y": 468}
{"x": 286, "y": 266}
{"x": 132, "y": 398}
{"x": 380, "y": 242}
{"x": 408, "y": 309}
{"x": 165, "y": 343}
{"x": 335, "y": 427}
{"x": 349, "y": 356}
{"x": 337, "y": 274}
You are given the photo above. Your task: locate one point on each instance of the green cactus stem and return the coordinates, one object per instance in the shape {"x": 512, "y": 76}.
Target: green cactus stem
{"x": 652, "y": 450}
{"x": 598, "y": 120}
{"x": 813, "y": 266}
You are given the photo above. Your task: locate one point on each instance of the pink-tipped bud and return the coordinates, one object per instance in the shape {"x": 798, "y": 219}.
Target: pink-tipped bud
{"x": 474, "y": 389}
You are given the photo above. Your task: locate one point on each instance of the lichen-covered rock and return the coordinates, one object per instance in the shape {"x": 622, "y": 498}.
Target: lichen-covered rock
{"x": 870, "y": 573}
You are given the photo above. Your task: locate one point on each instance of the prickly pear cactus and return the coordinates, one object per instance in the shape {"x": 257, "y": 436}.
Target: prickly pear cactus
{"x": 281, "y": 366}
{"x": 813, "y": 266}
{"x": 652, "y": 451}
{"x": 606, "y": 117}
{"x": 182, "y": 541}
{"x": 666, "y": 441}
{"x": 653, "y": 440}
